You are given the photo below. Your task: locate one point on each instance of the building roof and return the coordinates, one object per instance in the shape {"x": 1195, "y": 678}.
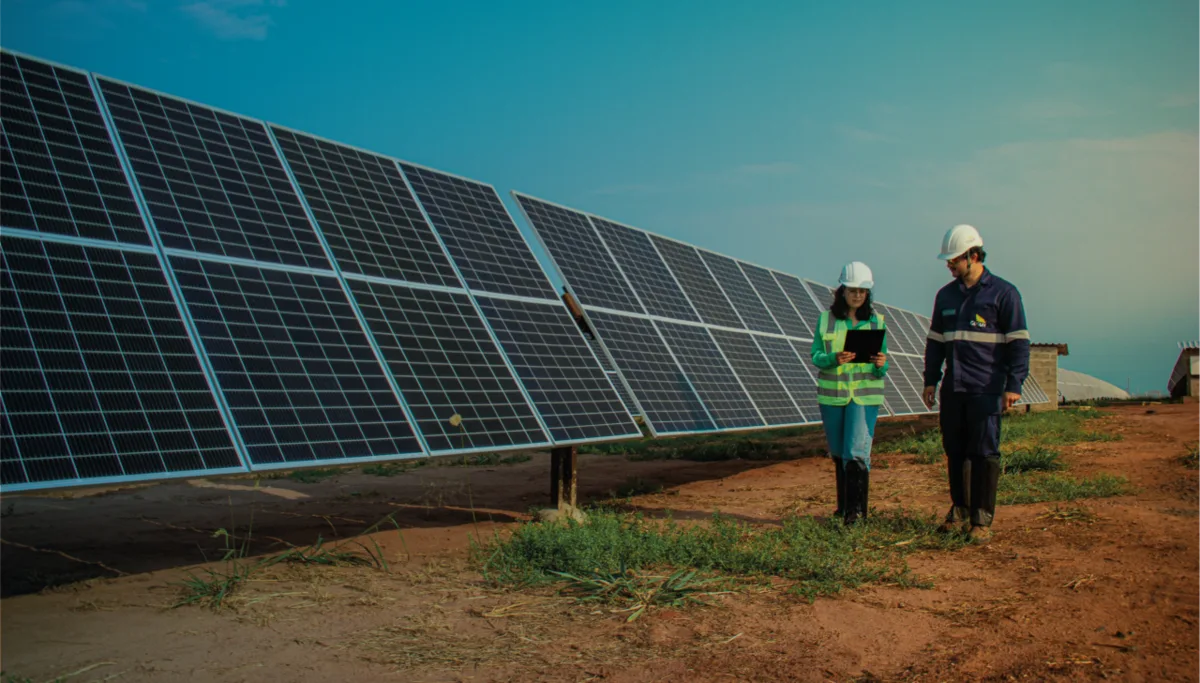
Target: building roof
{"x": 1062, "y": 346}
{"x": 1076, "y": 386}
{"x": 1189, "y": 344}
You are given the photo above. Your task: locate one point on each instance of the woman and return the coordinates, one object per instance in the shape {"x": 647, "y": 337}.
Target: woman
{"x": 849, "y": 393}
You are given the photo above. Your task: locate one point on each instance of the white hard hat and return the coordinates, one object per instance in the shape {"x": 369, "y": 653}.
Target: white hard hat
{"x": 958, "y": 240}
{"x": 856, "y": 274}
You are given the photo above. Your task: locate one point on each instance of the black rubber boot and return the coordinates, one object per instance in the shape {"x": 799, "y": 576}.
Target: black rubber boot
{"x": 854, "y": 491}
{"x": 864, "y": 490}
{"x": 959, "y": 471}
{"x": 985, "y": 477}
{"x": 840, "y": 470}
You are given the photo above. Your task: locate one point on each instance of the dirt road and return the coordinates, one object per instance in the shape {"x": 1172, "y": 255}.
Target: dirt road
{"x": 1094, "y": 589}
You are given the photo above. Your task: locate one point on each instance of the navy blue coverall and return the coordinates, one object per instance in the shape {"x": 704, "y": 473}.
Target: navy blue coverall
{"x": 980, "y": 335}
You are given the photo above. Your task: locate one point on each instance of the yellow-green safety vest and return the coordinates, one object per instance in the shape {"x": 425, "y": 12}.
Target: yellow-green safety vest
{"x": 840, "y": 384}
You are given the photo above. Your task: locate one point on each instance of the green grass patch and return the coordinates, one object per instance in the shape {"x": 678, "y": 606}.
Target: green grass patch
{"x": 1039, "y": 487}
{"x": 926, "y": 445}
{"x": 766, "y": 445}
{"x": 820, "y": 556}
{"x": 486, "y": 460}
{"x": 310, "y": 476}
{"x": 1031, "y": 459}
{"x": 391, "y": 469}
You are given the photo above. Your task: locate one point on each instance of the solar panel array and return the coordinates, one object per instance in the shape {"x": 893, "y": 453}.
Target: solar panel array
{"x": 189, "y": 291}
{"x": 704, "y": 341}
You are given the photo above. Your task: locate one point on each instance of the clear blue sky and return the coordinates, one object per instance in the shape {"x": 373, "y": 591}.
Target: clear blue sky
{"x": 798, "y": 135}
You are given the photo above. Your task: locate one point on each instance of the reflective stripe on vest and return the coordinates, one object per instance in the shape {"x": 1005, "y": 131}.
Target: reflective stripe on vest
{"x": 836, "y": 386}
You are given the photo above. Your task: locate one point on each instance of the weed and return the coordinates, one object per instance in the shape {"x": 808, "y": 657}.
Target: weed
{"x": 1037, "y": 487}
{"x": 818, "y": 556}
{"x": 639, "y": 592}
{"x": 636, "y": 486}
{"x": 926, "y": 445}
{"x": 1191, "y": 458}
{"x": 309, "y": 476}
{"x": 1074, "y": 513}
{"x": 487, "y": 460}
{"x": 391, "y": 469}
{"x": 1033, "y": 458}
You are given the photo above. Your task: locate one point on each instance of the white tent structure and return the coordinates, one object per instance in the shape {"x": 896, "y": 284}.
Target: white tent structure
{"x": 1076, "y": 386}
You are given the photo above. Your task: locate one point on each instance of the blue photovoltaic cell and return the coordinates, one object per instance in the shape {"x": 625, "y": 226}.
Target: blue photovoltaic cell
{"x": 482, "y": 239}
{"x": 711, "y": 375}
{"x": 59, "y": 172}
{"x": 791, "y": 369}
{"x": 822, "y": 294}
{"x": 698, "y": 284}
{"x": 668, "y": 401}
{"x": 646, "y": 271}
{"x": 98, "y": 377}
{"x": 917, "y": 332}
{"x": 804, "y": 393}
{"x": 897, "y": 335}
{"x": 613, "y": 375}
{"x": 446, "y": 364}
{"x": 737, "y": 288}
{"x": 295, "y": 366}
{"x": 579, "y": 253}
{"x": 895, "y": 394}
{"x": 801, "y": 299}
{"x": 777, "y": 302}
{"x": 366, "y": 212}
{"x": 758, "y": 377}
{"x": 571, "y": 391}
{"x": 212, "y": 181}
{"x": 905, "y": 382}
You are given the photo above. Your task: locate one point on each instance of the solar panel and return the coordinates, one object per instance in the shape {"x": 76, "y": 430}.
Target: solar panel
{"x": 446, "y": 365}
{"x": 916, "y": 330}
{"x": 710, "y": 375}
{"x": 365, "y": 210}
{"x": 211, "y": 180}
{"x": 697, "y": 282}
{"x": 777, "y": 302}
{"x": 668, "y": 402}
{"x": 59, "y": 172}
{"x": 99, "y": 380}
{"x": 482, "y": 239}
{"x": 822, "y": 294}
{"x": 572, "y": 392}
{"x": 302, "y": 381}
{"x": 895, "y": 398}
{"x": 1032, "y": 392}
{"x": 803, "y": 301}
{"x": 759, "y": 378}
{"x": 613, "y": 375}
{"x": 646, "y": 271}
{"x": 897, "y": 337}
{"x": 580, "y": 255}
{"x": 743, "y": 297}
{"x": 900, "y": 372}
{"x": 793, "y": 370}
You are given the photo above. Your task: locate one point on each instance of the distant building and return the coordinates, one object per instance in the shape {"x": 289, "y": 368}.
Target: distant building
{"x": 1043, "y": 367}
{"x": 1184, "y": 376}
{"x": 1076, "y": 386}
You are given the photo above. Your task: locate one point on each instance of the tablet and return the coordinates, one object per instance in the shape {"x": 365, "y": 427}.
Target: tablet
{"x": 864, "y": 344}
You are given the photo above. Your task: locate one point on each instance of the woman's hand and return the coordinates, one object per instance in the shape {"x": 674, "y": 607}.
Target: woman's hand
{"x": 879, "y": 359}
{"x": 844, "y": 357}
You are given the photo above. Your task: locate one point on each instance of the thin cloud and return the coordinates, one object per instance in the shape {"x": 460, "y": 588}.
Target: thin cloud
{"x": 1049, "y": 110}
{"x": 856, "y": 134}
{"x": 1177, "y": 100}
{"x": 90, "y": 16}
{"x": 234, "y": 19}
{"x": 742, "y": 173}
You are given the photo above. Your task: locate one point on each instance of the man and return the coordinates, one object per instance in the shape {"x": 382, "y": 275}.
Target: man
{"x": 978, "y": 330}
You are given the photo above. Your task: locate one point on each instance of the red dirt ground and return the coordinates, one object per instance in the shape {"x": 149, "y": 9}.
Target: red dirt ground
{"x": 1115, "y": 597}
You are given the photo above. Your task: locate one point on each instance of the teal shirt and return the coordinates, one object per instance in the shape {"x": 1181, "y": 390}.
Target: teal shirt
{"x": 826, "y": 361}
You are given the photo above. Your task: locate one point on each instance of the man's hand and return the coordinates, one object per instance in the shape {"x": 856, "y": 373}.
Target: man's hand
{"x": 1010, "y": 399}
{"x": 879, "y": 359}
{"x": 927, "y": 396}
{"x": 844, "y": 357}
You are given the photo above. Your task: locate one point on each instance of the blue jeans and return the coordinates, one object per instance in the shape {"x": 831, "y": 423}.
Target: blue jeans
{"x": 849, "y": 430}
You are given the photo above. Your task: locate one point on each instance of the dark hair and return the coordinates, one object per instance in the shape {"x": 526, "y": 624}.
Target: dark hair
{"x": 841, "y": 310}
{"x": 977, "y": 251}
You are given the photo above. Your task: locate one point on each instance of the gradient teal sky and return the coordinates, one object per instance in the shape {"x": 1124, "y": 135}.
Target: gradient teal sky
{"x": 795, "y": 135}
